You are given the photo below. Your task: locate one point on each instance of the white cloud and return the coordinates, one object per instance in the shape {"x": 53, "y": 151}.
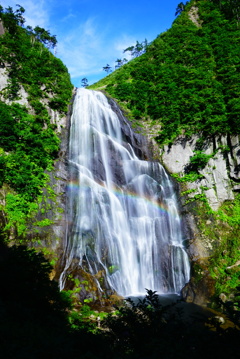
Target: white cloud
{"x": 80, "y": 49}
{"x": 36, "y": 13}
{"x": 122, "y": 43}
{"x": 68, "y": 17}
{"x": 89, "y": 46}
{"x": 85, "y": 44}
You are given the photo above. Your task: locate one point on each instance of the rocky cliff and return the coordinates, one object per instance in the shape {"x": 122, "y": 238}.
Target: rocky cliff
{"x": 219, "y": 177}
{"x": 216, "y": 183}
{"x": 49, "y": 238}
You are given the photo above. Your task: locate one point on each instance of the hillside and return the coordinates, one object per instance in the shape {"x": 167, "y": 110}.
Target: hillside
{"x": 188, "y": 79}
{"x": 35, "y": 92}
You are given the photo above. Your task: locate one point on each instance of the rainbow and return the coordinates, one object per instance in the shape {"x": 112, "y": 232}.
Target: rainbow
{"x": 122, "y": 195}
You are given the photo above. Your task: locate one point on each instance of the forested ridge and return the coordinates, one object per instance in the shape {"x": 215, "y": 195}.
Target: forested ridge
{"x": 187, "y": 82}
{"x": 188, "y": 79}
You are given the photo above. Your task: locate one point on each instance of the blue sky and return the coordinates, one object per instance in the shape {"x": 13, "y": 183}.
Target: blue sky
{"x": 93, "y": 33}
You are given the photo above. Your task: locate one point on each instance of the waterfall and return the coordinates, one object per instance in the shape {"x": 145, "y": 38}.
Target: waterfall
{"x": 123, "y": 218}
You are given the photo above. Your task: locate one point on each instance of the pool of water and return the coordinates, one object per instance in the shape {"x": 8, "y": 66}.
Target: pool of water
{"x": 164, "y": 299}
{"x": 189, "y": 311}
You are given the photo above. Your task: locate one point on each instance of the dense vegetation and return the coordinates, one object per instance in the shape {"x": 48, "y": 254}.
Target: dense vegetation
{"x": 222, "y": 228}
{"x": 188, "y": 80}
{"x": 29, "y": 142}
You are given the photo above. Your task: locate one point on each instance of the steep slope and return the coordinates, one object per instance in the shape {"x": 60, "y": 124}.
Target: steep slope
{"x": 187, "y": 80}
{"x": 184, "y": 94}
{"x": 35, "y": 92}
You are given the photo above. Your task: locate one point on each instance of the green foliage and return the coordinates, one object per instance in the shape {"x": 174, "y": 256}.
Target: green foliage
{"x": 138, "y": 49}
{"x": 86, "y": 318}
{"x": 198, "y": 197}
{"x": 232, "y": 308}
{"x": 224, "y": 233}
{"x": 29, "y": 143}
{"x": 180, "y": 8}
{"x": 28, "y": 149}
{"x": 18, "y": 210}
{"x": 224, "y": 264}
{"x": 12, "y": 19}
{"x": 32, "y": 65}
{"x": 43, "y": 36}
{"x": 112, "y": 269}
{"x": 230, "y": 213}
{"x": 229, "y": 7}
{"x": 199, "y": 160}
{"x": 189, "y": 177}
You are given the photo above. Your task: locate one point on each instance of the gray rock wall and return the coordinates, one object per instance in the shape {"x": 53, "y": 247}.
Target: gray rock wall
{"x": 220, "y": 180}
{"x": 220, "y": 177}
{"x": 2, "y": 31}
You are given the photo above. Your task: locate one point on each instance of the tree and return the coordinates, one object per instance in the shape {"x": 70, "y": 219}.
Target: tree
{"x": 130, "y": 49}
{"x": 107, "y": 68}
{"x": 145, "y": 45}
{"x": 84, "y": 82}
{"x": 45, "y": 37}
{"x": 138, "y": 49}
{"x": 12, "y": 19}
{"x": 230, "y": 8}
{"x": 180, "y": 8}
{"x": 119, "y": 63}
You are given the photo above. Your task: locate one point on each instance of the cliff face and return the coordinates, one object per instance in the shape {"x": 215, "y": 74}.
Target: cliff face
{"x": 217, "y": 182}
{"x": 219, "y": 178}
{"x": 1, "y": 28}
{"x": 49, "y": 238}
{"x": 53, "y": 236}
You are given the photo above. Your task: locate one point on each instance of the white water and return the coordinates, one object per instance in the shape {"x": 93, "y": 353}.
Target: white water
{"x": 123, "y": 217}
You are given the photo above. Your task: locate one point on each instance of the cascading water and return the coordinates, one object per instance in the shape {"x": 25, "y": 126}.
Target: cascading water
{"x": 123, "y": 216}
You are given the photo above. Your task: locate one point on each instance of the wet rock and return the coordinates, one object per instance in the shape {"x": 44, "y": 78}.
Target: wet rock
{"x": 199, "y": 292}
